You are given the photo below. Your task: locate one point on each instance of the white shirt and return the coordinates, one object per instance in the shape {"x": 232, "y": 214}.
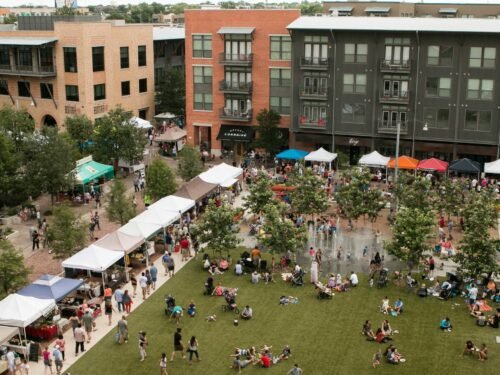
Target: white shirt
{"x": 354, "y": 279}
{"x": 143, "y": 281}
{"x": 11, "y": 358}
{"x": 473, "y": 293}
{"x": 474, "y": 183}
{"x": 238, "y": 269}
{"x": 385, "y": 303}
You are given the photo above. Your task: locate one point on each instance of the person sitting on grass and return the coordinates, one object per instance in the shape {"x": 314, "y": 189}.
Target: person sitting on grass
{"x": 191, "y": 310}
{"x": 214, "y": 270}
{"x": 385, "y": 307}
{"x": 380, "y": 337}
{"x": 256, "y": 277}
{"x": 446, "y": 325}
{"x": 238, "y": 269}
{"x": 263, "y": 361}
{"x": 284, "y": 300}
{"x": 494, "y": 319}
{"x": 268, "y": 278}
{"x": 393, "y": 356}
{"x": 177, "y": 314}
{"x": 470, "y": 348}
{"x": 376, "y": 359}
{"x": 285, "y": 354}
{"x": 386, "y": 328}
{"x": 367, "y": 330}
{"x": 331, "y": 281}
{"x": 223, "y": 265}
{"x": 483, "y": 352}
{"x": 246, "y": 353}
{"x": 247, "y": 313}
{"x": 481, "y": 320}
{"x": 398, "y": 306}
{"x": 239, "y": 363}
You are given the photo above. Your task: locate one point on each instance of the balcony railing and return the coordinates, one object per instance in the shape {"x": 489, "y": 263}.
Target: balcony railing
{"x": 235, "y": 87}
{"x": 387, "y": 97}
{"x": 235, "y": 114}
{"x": 236, "y": 59}
{"x": 391, "y": 127}
{"x": 28, "y": 70}
{"x": 395, "y": 66}
{"x": 308, "y": 92}
{"x": 317, "y": 123}
{"x": 314, "y": 63}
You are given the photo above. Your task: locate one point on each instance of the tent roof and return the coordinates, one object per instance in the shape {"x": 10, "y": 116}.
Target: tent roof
{"x": 493, "y": 167}
{"x": 140, "y": 123}
{"x": 119, "y": 241}
{"x": 404, "y": 162}
{"x": 374, "y": 159}
{"x": 292, "y": 154}
{"x": 93, "y": 258}
{"x": 142, "y": 229}
{"x": 172, "y": 134}
{"x": 165, "y": 116}
{"x": 51, "y": 287}
{"x": 6, "y": 333}
{"x": 173, "y": 203}
{"x": 465, "y": 165}
{"x": 163, "y": 218}
{"x": 433, "y": 164}
{"x": 220, "y": 174}
{"x": 321, "y": 155}
{"x": 91, "y": 170}
{"x": 21, "y": 311}
{"x": 195, "y": 189}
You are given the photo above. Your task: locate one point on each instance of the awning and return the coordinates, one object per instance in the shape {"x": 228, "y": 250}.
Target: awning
{"x": 221, "y": 173}
{"x": 448, "y": 10}
{"x": 229, "y": 183}
{"x": 433, "y": 164}
{"x": 465, "y": 165}
{"x": 292, "y": 154}
{"x": 142, "y": 229}
{"x": 157, "y": 217}
{"x": 374, "y": 159}
{"x": 119, "y": 241}
{"x": 173, "y": 203}
{"x": 196, "y": 189}
{"x": 21, "y": 311}
{"x": 51, "y": 287}
{"x": 404, "y": 162}
{"x": 6, "y": 333}
{"x": 377, "y": 10}
{"x": 236, "y": 30}
{"x": 341, "y": 9}
{"x": 16, "y": 41}
{"x": 165, "y": 116}
{"x": 321, "y": 155}
{"x": 172, "y": 134}
{"x": 88, "y": 170}
{"x": 93, "y": 258}
{"x": 235, "y": 133}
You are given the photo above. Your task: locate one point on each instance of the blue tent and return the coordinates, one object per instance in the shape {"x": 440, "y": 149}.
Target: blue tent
{"x": 292, "y": 154}
{"x": 51, "y": 287}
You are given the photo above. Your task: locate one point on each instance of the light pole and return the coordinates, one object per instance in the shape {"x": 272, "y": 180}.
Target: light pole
{"x": 398, "y": 134}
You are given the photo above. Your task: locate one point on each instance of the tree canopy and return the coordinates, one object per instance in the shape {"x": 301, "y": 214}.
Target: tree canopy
{"x": 190, "y": 164}
{"x": 80, "y": 128}
{"x": 13, "y": 273}
{"x": 120, "y": 208}
{"x": 269, "y": 136}
{"x": 67, "y": 234}
{"x": 160, "y": 180}
{"x": 309, "y": 196}
{"x": 171, "y": 96}
{"x": 260, "y": 194}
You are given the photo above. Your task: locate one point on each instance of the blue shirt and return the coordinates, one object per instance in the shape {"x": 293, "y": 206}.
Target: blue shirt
{"x": 154, "y": 272}
{"x": 119, "y": 295}
{"x": 57, "y": 355}
{"x": 444, "y": 323}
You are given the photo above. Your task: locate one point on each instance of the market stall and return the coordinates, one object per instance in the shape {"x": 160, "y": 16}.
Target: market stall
{"x": 196, "y": 189}
{"x": 120, "y": 241}
{"x": 172, "y": 140}
{"x": 221, "y": 173}
{"x": 292, "y": 154}
{"x": 465, "y": 166}
{"x": 142, "y": 229}
{"x": 51, "y": 287}
{"x": 433, "y": 164}
{"x": 156, "y": 217}
{"x": 10, "y": 337}
{"x": 88, "y": 170}
{"x": 374, "y": 160}
{"x": 140, "y": 123}
{"x": 173, "y": 203}
{"x": 493, "y": 167}
{"x": 321, "y": 156}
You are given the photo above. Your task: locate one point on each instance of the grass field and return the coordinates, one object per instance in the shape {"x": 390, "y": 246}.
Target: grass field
{"x": 324, "y": 335}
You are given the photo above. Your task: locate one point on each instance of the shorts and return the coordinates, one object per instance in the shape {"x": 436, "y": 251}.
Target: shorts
{"x": 472, "y": 301}
{"x": 47, "y": 362}
{"x": 154, "y": 279}
{"x": 178, "y": 348}
{"x": 58, "y": 363}
{"x": 171, "y": 268}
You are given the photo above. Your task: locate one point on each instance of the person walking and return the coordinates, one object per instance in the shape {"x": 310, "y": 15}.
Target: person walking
{"x": 47, "y": 361}
{"x": 79, "y": 339}
{"x": 143, "y": 343}
{"x": 88, "y": 323}
{"x": 97, "y": 220}
{"x": 127, "y": 301}
{"x": 119, "y": 298}
{"x": 170, "y": 265}
{"x": 296, "y": 370}
{"x": 108, "y": 311}
{"x": 136, "y": 184}
{"x": 149, "y": 282}
{"x": 164, "y": 262}
{"x": 11, "y": 361}
{"x": 35, "y": 237}
{"x": 178, "y": 347}
{"x": 143, "y": 283}
{"x": 58, "y": 359}
{"x": 193, "y": 349}
{"x": 133, "y": 282}
{"x": 153, "y": 271}
{"x": 61, "y": 343}
{"x": 122, "y": 326}
{"x": 163, "y": 364}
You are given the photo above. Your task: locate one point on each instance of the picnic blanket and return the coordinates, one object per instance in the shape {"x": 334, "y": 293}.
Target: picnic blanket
{"x": 483, "y": 306}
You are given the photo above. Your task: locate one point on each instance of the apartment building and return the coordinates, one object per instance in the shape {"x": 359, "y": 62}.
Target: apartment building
{"x": 356, "y": 79}
{"x": 78, "y": 68}
{"x": 237, "y": 63}
{"x": 168, "y": 44}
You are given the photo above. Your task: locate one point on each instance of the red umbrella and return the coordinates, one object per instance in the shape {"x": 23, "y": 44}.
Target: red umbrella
{"x": 433, "y": 164}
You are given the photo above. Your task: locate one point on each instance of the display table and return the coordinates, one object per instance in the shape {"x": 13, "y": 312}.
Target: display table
{"x": 44, "y": 333}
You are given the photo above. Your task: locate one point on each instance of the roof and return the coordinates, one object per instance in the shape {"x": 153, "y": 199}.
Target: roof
{"x": 196, "y": 189}
{"x": 374, "y": 159}
{"x": 465, "y": 165}
{"x": 470, "y": 25}
{"x": 292, "y": 154}
{"x": 377, "y": 9}
{"x": 404, "y": 162}
{"x": 93, "y": 258}
{"x": 341, "y": 9}
{"x": 51, "y": 287}
{"x": 168, "y": 33}
{"x": 92, "y": 170}
{"x": 24, "y": 41}
{"x": 321, "y": 155}
{"x": 21, "y": 311}
{"x": 433, "y": 164}
{"x": 236, "y": 30}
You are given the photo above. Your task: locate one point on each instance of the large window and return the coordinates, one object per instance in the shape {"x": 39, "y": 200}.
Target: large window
{"x": 202, "y": 46}
{"x": 23, "y": 88}
{"x": 354, "y": 113}
{"x": 438, "y": 86}
{"x": 480, "y": 89}
{"x": 315, "y": 84}
{"x": 202, "y": 74}
{"x": 395, "y": 88}
{"x": 143, "y": 85}
{"x": 397, "y": 51}
{"x": 141, "y": 56}
{"x": 313, "y": 114}
{"x": 46, "y": 90}
{"x": 478, "y": 120}
{"x": 24, "y": 58}
{"x": 281, "y": 48}
{"x": 356, "y": 53}
{"x": 316, "y": 50}
{"x": 280, "y": 77}
{"x": 99, "y": 92}
{"x": 280, "y": 104}
{"x": 124, "y": 59}
{"x": 203, "y": 102}
{"x": 70, "y": 65}
{"x": 46, "y": 59}
{"x": 4, "y": 87}
{"x": 354, "y": 83}
{"x": 4, "y": 57}
{"x": 237, "y": 77}
{"x": 482, "y": 57}
{"x": 437, "y": 118}
{"x": 72, "y": 93}
{"x": 390, "y": 119}
{"x": 237, "y": 46}
{"x": 125, "y": 88}
{"x": 97, "y": 59}
{"x": 439, "y": 55}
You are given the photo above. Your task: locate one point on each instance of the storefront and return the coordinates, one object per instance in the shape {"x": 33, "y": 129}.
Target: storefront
{"x": 235, "y": 140}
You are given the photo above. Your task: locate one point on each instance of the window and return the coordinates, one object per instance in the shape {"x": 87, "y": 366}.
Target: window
{"x": 202, "y": 74}
{"x": 435, "y": 86}
{"x": 4, "y": 57}
{"x": 46, "y": 90}
{"x": 159, "y": 75}
{"x": 316, "y": 50}
{"x": 141, "y": 55}
{"x": 202, "y": 46}
{"x": 4, "y": 87}
{"x": 23, "y": 88}
{"x": 482, "y": 57}
{"x": 315, "y": 84}
{"x": 478, "y": 121}
{"x": 480, "y": 89}
{"x": 313, "y": 115}
{"x": 125, "y": 88}
{"x": 237, "y": 47}
{"x": 46, "y": 59}
{"x": 354, "y": 83}
{"x": 439, "y": 55}
{"x": 203, "y": 102}
{"x": 70, "y": 65}
{"x": 124, "y": 59}
{"x": 280, "y": 77}
{"x": 143, "y": 85}
{"x": 24, "y": 58}
{"x": 395, "y": 89}
{"x": 356, "y": 53}
{"x": 437, "y": 118}
{"x": 397, "y": 51}
{"x": 354, "y": 113}
{"x": 100, "y": 92}
{"x": 281, "y": 48}
{"x": 97, "y": 59}
{"x": 72, "y": 93}
{"x": 390, "y": 119}
{"x": 159, "y": 49}
{"x": 280, "y": 104}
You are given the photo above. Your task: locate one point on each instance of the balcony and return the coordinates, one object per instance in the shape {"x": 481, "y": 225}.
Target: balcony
{"x": 239, "y": 59}
{"x": 313, "y": 93}
{"x": 231, "y": 87}
{"x": 28, "y": 70}
{"x": 391, "y": 66}
{"x": 314, "y": 63}
{"x": 390, "y": 127}
{"x": 316, "y": 123}
{"x": 387, "y": 97}
{"x": 235, "y": 115}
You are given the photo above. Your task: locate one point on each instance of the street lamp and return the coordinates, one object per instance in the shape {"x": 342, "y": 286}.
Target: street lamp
{"x": 398, "y": 134}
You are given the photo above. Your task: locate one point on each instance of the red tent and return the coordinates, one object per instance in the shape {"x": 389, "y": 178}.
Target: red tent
{"x": 433, "y": 164}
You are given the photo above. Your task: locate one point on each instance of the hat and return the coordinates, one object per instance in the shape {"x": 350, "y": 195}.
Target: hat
{"x": 57, "y": 346}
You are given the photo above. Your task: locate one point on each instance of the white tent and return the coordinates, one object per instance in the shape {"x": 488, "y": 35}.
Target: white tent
{"x": 493, "y": 167}
{"x": 157, "y": 217}
{"x": 140, "y": 123}
{"x": 93, "y": 258}
{"x": 374, "y": 159}
{"x": 119, "y": 241}
{"x": 21, "y": 311}
{"x": 145, "y": 230}
{"x": 321, "y": 155}
{"x": 173, "y": 203}
{"x": 220, "y": 174}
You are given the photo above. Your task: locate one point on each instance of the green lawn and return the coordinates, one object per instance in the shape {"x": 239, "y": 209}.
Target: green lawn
{"x": 324, "y": 334}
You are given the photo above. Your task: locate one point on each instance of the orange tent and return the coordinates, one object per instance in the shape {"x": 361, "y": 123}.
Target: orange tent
{"x": 404, "y": 162}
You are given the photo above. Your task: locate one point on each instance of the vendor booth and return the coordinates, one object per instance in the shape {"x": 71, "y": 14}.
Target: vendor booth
{"x": 292, "y": 154}
{"x": 433, "y": 164}
{"x": 172, "y": 140}
{"x": 140, "y": 123}
{"x": 51, "y": 287}
{"x": 221, "y": 174}
{"x": 321, "y": 156}
{"x": 173, "y": 203}
{"x": 374, "y": 160}
{"x": 119, "y": 241}
{"x": 196, "y": 189}
{"x": 465, "y": 166}
{"x": 493, "y": 167}
{"x": 142, "y": 229}
{"x": 404, "y": 162}
{"x": 9, "y": 338}
{"x": 157, "y": 217}
{"x": 88, "y": 170}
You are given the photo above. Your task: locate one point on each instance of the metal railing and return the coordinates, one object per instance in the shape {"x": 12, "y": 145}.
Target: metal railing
{"x": 395, "y": 65}
{"x": 391, "y": 97}
{"x": 314, "y": 62}
{"x": 235, "y": 114}
{"x": 391, "y": 127}
{"x": 236, "y": 58}
{"x": 310, "y": 91}
{"x": 245, "y": 87}
{"x": 306, "y": 122}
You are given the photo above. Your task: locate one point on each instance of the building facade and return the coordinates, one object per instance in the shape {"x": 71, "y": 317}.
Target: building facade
{"x": 356, "y": 79}
{"x": 78, "y": 68}
{"x": 238, "y": 62}
{"x": 169, "y": 51}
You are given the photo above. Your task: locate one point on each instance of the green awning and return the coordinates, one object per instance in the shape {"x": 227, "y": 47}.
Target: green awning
{"x": 92, "y": 170}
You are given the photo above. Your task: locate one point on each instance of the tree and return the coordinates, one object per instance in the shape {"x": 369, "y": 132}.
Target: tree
{"x": 171, "y": 97}
{"x": 13, "y": 273}
{"x": 270, "y": 138}
{"x": 310, "y": 9}
{"x": 12, "y": 187}
{"x": 120, "y": 208}
{"x": 67, "y": 234}
{"x": 160, "y": 180}
{"x": 190, "y": 164}
{"x": 281, "y": 234}
{"x": 65, "y": 11}
{"x": 215, "y": 228}
{"x": 10, "y": 19}
{"x": 410, "y": 234}
{"x": 80, "y": 128}
{"x": 450, "y": 197}
{"x": 309, "y": 196}
{"x": 260, "y": 194}
{"x": 17, "y": 124}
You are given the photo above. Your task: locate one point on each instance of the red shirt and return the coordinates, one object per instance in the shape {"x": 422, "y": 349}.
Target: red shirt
{"x": 184, "y": 243}
{"x": 266, "y": 362}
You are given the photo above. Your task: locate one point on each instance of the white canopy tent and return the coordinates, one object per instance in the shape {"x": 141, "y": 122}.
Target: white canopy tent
{"x": 145, "y": 230}
{"x": 156, "y": 217}
{"x": 119, "y": 241}
{"x": 374, "y": 159}
{"x": 493, "y": 167}
{"x": 173, "y": 203}
{"x": 140, "y": 123}
{"x": 321, "y": 156}
{"x": 221, "y": 174}
{"x": 93, "y": 258}
{"x": 21, "y": 311}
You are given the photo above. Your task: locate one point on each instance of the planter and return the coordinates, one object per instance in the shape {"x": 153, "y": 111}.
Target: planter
{"x": 9, "y": 220}
{"x": 12, "y": 235}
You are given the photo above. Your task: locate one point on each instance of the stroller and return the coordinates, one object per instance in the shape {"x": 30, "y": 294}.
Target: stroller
{"x": 298, "y": 278}
{"x": 451, "y": 287}
{"x": 230, "y": 305}
{"x": 170, "y": 301}
{"x": 382, "y": 277}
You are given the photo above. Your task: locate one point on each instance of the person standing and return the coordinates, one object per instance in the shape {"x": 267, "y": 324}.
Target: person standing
{"x": 296, "y": 370}
{"x": 133, "y": 282}
{"x": 178, "y": 347}
{"x": 168, "y": 241}
{"x": 58, "y": 359}
{"x": 119, "y": 298}
{"x": 108, "y": 310}
{"x": 61, "y": 343}
{"x": 193, "y": 349}
{"x": 11, "y": 362}
{"x": 123, "y": 330}
{"x": 170, "y": 265}
{"x": 163, "y": 364}
{"x": 97, "y": 220}
{"x": 88, "y": 323}
{"x": 74, "y": 321}
{"x": 36, "y": 240}
{"x": 143, "y": 283}
{"x": 47, "y": 361}
{"x": 153, "y": 270}
{"x": 127, "y": 301}
{"x": 164, "y": 261}
{"x": 149, "y": 282}
{"x": 143, "y": 343}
